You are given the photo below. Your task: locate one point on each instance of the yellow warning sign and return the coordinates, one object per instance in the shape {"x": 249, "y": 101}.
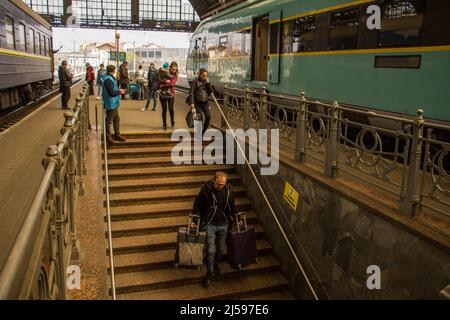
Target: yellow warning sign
{"x": 291, "y": 195}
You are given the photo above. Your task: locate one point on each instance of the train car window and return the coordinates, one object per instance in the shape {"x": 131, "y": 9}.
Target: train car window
{"x": 45, "y": 45}
{"x": 401, "y": 23}
{"x": 286, "y": 38}
{"x": 144, "y": 54}
{"x": 436, "y": 27}
{"x": 236, "y": 44}
{"x": 36, "y": 42}
{"x": 39, "y": 43}
{"x": 10, "y": 37}
{"x": 247, "y": 42}
{"x": 203, "y": 53}
{"x": 212, "y": 46}
{"x": 22, "y": 38}
{"x": 223, "y": 46}
{"x": 50, "y": 46}
{"x": 303, "y": 34}
{"x": 343, "y": 29}
{"x": 158, "y": 54}
{"x": 32, "y": 41}
{"x": 274, "y": 38}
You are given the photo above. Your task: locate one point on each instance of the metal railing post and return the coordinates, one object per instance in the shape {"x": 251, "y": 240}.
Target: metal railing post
{"x": 72, "y": 183}
{"x": 247, "y": 108}
{"x": 223, "y": 118}
{"x": 410, "y": 204}
{"x": 331, "y": 153}
{"x": 79, "y": 148}
{"x": 300, "y": 141}
{"x": 59, "y": 218}
{"x": 263, "y": 109}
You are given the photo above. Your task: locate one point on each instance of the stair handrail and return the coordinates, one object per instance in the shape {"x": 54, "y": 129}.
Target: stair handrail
{"x": 297, "y": 260}
{"x": 108, "y": 209}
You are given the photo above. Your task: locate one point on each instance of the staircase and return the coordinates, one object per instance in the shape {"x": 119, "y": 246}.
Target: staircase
{"x": 150, "y": 199}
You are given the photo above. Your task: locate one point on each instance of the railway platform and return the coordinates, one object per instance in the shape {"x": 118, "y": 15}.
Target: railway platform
{"x": 21, "y": 149}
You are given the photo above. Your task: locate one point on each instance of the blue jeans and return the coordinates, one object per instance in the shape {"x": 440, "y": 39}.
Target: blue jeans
{"x": 140, "y": 90}
{"x": 216, "y": 236}
{"x": 151, "y": 95}
{"x": 99, "y": 89}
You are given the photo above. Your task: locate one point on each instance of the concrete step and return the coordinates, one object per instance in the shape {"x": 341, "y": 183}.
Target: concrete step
{"x": 173, "y": 277}
{"x": 144, "y": 162}
{"x": 140, "y": 261}
{"x": 145, "y": 152}
{"x": 172, "y": 171}
{"x": 153, "y": 242}
{"x": 160, "y": 225}
{"x": 149, "y": 142}
{"x": 159, "y": 210}
{"x": 116, "y": 186}
{"x": 159, "y": 196}
{"x": 250, "y": 284}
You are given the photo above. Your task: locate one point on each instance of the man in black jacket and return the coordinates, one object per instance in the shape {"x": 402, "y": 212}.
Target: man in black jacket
{"x": 199, "y": 97}
{"x": 65, "y": 82}
{"x": 215, "y": 206}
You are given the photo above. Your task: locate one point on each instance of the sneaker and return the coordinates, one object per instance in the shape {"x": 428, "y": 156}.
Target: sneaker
{"x": 153, "y": 109}
{"x": 207, "y": 280}
{"x": 143, "y": 109}
{"x": 119, "y": 138}
{"x": 173, "y": 124}
{"x": 98, "y": 98}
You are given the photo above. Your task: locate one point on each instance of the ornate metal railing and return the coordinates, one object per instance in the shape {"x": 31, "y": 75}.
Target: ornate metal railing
{"x": 407, "y": 157}
{"x": 47, "y": 241}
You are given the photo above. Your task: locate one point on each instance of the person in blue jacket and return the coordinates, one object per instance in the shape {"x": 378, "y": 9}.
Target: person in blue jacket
{"x": 111, "y": 102}
{"x": 100, "y": 74}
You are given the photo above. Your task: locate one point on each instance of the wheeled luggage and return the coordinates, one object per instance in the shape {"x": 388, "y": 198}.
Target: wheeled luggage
{"x": 241, "y": 243}
{"x": 190, "y": 244}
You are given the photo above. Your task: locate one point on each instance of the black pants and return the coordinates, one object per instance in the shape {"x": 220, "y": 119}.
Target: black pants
{"x": 112, "y": 116}
{"x": 91, "y": 87}
{"x": 204, "y": 107}
{"x": 167, "y": 103}
{"x": 65, "y": 96}
{"x": 124, "y": 86}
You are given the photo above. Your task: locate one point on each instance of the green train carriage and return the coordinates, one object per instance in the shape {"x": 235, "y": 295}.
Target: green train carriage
{"x": 325, "y": 49}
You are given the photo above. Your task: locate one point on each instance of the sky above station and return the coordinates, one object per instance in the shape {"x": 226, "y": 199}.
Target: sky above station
{"x": 67, "y": 36}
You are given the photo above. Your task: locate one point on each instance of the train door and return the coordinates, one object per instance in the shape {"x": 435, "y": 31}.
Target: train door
{"x": 261, "y": 48}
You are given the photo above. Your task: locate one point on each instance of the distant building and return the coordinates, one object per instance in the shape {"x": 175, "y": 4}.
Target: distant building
{"x": 158, "y": 55}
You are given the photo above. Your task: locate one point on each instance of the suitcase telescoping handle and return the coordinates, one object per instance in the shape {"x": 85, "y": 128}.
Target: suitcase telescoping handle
{"x": 193, "y": 220}
{"x": 240, "y": 216}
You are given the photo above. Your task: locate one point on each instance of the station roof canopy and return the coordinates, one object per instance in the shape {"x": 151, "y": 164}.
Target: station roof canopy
{"x": 206, "y": 8}
{"x": 158, "y": 15}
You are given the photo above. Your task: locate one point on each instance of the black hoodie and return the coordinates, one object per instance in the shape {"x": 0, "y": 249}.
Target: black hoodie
{"x": 205, "y": 205}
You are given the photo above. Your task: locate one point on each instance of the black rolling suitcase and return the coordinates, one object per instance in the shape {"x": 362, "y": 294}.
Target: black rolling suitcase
{"x": 190, "y": 244}
{"x": 241, "y": 243}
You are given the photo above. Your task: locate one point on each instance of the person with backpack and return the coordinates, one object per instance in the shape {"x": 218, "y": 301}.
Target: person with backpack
{"x": 215, "y": 206}
{"x": 101, "y": 72}
{"x": 140, "y": 79}
{"x": 152, "y": 78}
{"x": 166, "y": 85}
{"x": 200, "y": 90}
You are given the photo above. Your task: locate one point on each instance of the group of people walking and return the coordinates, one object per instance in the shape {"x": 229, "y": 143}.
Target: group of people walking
{"x": 113, "y": 86}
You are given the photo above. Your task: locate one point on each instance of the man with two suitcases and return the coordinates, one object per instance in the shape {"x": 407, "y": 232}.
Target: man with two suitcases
{"x": 215, "y": 206}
